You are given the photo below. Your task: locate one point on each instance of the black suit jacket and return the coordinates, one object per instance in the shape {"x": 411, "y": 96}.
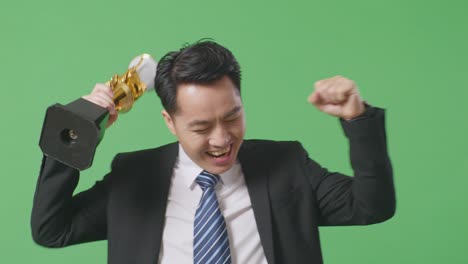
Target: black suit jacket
{"x": 291, "y": 196}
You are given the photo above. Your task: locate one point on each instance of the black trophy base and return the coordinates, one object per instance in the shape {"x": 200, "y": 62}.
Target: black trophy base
{"x": 71, "y": 133}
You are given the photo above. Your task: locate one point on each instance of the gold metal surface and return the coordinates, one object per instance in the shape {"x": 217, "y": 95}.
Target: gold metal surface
{"x": 127, "y": 88}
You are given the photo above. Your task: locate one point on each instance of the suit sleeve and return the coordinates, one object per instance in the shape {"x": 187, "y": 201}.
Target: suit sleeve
{"x": 60, "y": 219}
{"x": 369, "y": 196}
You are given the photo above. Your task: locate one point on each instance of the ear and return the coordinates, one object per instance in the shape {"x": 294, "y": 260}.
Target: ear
{"x": 169, "y": 122}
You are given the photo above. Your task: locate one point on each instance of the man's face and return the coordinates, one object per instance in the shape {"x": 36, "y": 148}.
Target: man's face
{"x": 209, "y": 123}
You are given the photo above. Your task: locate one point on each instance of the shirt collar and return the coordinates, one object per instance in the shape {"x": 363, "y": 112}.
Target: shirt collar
{"x": 190, "y": 170}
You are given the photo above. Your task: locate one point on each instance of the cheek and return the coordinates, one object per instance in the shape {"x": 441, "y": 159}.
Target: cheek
{"x": 197, "y": 143}
{"x": 238, "y": 129}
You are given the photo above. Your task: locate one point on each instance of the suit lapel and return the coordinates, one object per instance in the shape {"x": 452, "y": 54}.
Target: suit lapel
{"x": 160, "y": 171}
{"x": 256, "y": 177}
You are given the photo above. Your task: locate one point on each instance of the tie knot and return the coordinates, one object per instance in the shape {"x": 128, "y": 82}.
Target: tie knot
{"x": 206, "y": 180}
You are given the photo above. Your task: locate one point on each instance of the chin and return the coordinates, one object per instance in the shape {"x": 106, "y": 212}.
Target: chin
{"x": 217, "y": 169}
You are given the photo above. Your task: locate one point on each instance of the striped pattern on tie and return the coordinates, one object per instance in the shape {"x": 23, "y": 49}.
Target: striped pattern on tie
{"x": 210, "y": 238}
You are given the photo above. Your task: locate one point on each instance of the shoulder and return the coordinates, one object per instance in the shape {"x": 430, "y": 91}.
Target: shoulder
{"x": 144, "y": 156}
{"x": 271, "y": 149}
{"x": 272, "y": 145}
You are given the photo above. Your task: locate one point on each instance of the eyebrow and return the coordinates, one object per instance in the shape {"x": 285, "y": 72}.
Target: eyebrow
{"x": 232, "y": 112}
{"x": 198, "y": 123}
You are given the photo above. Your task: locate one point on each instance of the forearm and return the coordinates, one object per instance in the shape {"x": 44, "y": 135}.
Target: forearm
{"x": 59, "y": 218}
{"x": 51, "y": 213}
{"x": 372, "y": 187}
{"x": 369, "y": 196}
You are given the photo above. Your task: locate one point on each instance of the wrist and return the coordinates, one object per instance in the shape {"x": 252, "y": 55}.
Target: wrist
{"x": 367, "y": 112}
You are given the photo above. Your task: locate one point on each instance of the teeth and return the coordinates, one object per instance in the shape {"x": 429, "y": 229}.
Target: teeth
{"x": 218, "y": 153}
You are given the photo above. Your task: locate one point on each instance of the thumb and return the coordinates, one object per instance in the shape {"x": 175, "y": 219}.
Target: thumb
{"x": 112, "y": 118}
{"x": 314, "y": 98}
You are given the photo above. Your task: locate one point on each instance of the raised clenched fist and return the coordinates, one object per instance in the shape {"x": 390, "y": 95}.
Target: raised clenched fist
{"x": 338, "y": 96}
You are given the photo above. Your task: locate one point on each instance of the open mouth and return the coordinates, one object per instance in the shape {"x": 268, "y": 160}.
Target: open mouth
{"x": 220, "y": 153}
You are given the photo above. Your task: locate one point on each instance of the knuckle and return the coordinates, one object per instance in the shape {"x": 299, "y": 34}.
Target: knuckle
{"x": 318, "y": 85}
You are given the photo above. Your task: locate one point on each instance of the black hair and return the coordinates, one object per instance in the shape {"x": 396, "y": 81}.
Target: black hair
{"x": 203, "y": 62}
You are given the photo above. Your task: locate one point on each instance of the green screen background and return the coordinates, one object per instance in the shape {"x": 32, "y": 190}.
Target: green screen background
{"x": 409, "y": 57}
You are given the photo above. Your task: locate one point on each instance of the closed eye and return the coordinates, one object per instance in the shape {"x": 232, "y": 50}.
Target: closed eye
{"x": 200, "y": 131}
{"x": 232, "y": 119}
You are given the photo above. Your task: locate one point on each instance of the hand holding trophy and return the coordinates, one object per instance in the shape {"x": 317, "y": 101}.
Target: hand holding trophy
{"x": 71, "y": 133}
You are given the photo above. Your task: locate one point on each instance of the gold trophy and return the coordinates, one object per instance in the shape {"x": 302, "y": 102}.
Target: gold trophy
{"x": 71, "y": 133}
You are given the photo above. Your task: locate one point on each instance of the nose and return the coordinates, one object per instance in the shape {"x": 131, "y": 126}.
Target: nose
{"x": 220, "y": 137}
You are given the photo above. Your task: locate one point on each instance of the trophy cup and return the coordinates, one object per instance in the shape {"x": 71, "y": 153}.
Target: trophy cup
{"x": 71, "y": 133}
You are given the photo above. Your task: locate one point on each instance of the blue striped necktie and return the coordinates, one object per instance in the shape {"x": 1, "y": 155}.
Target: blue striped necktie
{"x": 210, "y": 238}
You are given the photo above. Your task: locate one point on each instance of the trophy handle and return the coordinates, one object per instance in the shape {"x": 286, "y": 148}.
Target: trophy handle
{"x": 127, "y": 87}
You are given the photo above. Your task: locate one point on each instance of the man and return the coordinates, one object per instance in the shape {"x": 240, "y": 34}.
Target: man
{"x": 266, "y": 200}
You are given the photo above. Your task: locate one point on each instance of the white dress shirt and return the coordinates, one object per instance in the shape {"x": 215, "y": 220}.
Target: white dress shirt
{"x": 234, "y": 201}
